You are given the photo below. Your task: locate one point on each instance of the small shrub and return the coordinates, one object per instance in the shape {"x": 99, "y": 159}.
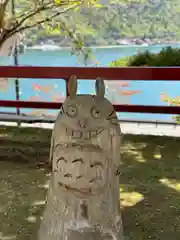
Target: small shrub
{"x": 141, "y": 59}
{"x": 166, "y": 57}
{"x": 122, "y": 62}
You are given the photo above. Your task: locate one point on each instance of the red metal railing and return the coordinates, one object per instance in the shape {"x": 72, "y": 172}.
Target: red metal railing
{"x": 133, "y": 74}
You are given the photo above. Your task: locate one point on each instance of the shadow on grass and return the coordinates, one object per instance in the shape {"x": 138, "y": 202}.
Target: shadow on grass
{"x": 150, "y": 184}
{"x": 24, "y": 144}
{"x": 23, "y": 185}
{"x": 22, "y": 199}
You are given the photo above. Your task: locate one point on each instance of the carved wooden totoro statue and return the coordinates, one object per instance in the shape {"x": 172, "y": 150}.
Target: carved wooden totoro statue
{"x": 83, "y": 196}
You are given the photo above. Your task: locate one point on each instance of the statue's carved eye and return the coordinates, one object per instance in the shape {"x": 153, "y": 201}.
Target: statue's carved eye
{"x": 96, "y": 113}
{"x": 71, "y": 111}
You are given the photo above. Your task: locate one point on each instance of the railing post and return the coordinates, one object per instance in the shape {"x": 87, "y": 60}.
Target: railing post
{"x": 16, "y": 64}
{"x": 17, "y": 83}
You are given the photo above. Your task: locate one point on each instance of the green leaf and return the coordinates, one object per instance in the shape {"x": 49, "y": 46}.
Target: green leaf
{"x": 58, "y": 2}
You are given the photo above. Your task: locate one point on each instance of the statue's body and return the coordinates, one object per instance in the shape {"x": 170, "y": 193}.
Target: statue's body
{"x": 83, "y": 196}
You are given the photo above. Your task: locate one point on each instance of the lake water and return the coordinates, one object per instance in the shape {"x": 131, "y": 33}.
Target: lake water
{"x": 146, "y": 93}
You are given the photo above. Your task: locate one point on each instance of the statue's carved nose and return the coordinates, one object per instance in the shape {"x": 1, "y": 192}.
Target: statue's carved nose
{"x": 82, "y": 123}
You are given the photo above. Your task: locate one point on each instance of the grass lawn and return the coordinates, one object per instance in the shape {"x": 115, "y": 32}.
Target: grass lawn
{"x": 150, "y": 184}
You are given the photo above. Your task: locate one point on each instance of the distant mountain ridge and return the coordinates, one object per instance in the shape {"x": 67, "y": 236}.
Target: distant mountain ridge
{"x": 151, "y": 21}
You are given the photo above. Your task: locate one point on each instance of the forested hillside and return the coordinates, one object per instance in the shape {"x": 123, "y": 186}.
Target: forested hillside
{"x": 107, "y": 24}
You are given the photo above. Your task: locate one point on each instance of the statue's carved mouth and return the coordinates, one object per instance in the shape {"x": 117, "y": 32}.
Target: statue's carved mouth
{"x": 84, "y": 191}
{"x": 86, "y": 135}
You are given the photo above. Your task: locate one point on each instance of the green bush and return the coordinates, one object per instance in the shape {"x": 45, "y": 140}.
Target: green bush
{"x": 141, "y": 59}
{"x": 122, "y": 62}
{"x": 166, "y": 57}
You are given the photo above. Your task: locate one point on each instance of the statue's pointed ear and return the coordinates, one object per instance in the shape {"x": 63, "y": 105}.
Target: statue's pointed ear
{"x": 100, "y": 88}
{"x": 72, "y": 86}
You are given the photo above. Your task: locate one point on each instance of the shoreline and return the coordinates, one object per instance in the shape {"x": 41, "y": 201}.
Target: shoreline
{"x": 40, "y": 47}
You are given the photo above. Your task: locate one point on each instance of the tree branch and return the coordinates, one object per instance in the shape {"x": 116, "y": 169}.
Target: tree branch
{"x": 2, "y": 12}
{"x": 6, "y": 33}
{"x": 42, "y": 8}
{"x": 46, "y": 7}
{"x": 48, "y": 19}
